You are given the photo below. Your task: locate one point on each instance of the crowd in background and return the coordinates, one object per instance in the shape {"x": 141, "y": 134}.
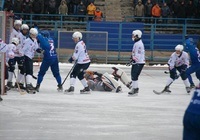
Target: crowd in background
{"x": 170, "y": 8}
{"x": 64, "y": 7}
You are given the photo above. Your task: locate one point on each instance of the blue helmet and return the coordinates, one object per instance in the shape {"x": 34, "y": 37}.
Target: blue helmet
{"x": 45, "y": 33}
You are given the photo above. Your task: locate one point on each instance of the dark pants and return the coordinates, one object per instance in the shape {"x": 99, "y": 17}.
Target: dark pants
{"x": 20, "y": 62}
{"x": 191, "y": 123}
{"x": 28, "y": 63}
{"x": 135, "y": 71}
{"x": 78, "y": 71}
{"x": 53, "y": 64}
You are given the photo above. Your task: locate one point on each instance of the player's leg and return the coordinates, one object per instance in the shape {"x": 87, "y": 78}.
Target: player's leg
{"x": 121, "y": 74}
{"x": 80, "y": 75}
{"x": 29, "y": 73}
{"x": 20, "y": 76}
{"x": 135, "y": 72}
{"x": 189, "y": 71}
{"x": 182, "y": 71}
{"x": 43, "y": 68}
{"x": 73, "y": 76}
{"x": 56, "y": 73}
{"x": 111, "y": 82}
{"x": 11, "y": 68}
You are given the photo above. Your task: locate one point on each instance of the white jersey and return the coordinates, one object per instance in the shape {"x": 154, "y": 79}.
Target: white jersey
{"x": 29, "y": 47}
{"x": 11, "y": 49}
{"x": 176, "y": 61}
{"x": 80, "y": 53}
{"x": 13, "y": 34}
{"x": 22, "y": 38}
{"x": 138, "y": 52}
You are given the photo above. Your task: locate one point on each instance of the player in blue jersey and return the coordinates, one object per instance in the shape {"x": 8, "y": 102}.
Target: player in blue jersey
{"x": 191, "y": 120}
{"x": 49, "y": 60}
{"x": 194, "y": 57}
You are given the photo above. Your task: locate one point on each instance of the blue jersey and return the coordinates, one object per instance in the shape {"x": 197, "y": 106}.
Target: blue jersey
{"x": 194, "y": 52}
{"x": 194, "y": 106}
{"x": 47, "y": 44}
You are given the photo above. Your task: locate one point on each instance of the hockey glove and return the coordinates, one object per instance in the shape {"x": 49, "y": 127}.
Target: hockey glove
{"x": 70, "y": 60}
{"x": 39, "y": 50}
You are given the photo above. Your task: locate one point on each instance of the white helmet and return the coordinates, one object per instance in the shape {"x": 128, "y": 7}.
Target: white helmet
{"x": 137, "y": 33}
{"x": 179, "y": 48}
{"x": 33, "y": 31}
{"x": 15, "y": 40}
{"x": 77, "y": 35}
{"x": 17, "y": 22}
{"x": 24, "y": 27}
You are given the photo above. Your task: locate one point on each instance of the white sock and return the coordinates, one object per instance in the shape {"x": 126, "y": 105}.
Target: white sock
{"x": 28, "y": 79}
{"x": 72, "y": 81}
{"x": 169, "y": 81}
{"x": 135, "y": 84}
{"x": 19, "y": 77}
{"x": 10, "y": 76}
{"x": 186, "y": 82}
{"x": 84, "y": 82}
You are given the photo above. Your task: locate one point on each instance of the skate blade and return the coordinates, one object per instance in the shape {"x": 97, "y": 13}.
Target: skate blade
{"x": 31, "y": 91}
{"x": 88, "y": 92}
{"x": 132, "y": 95}
{"x": 68, "y": 93}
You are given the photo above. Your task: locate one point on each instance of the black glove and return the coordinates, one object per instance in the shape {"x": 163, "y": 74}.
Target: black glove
{"x": 70, "y": 60}
{"x": 39, "y": 50}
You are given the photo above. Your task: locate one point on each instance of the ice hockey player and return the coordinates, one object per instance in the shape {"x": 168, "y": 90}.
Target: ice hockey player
{"x": 10, "y": 59}
{"x": 49, "y": 59}
{"x": 82, "y": 60}
{"x": 137, "y": 59}
{"x": 14, "y": 34}
{"x": 194, "y": 57}
{"x": 191, "y": 119}
{"x": 179, "y": 61}
{"x": 28, "y": 50}
{"x": 20, "y": 59}
{"x": 101, "y": 82}
{"x": 106, "y": 82}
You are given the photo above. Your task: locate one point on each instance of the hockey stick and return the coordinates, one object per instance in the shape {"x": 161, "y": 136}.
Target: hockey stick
{"x": 20, "y": 91}
{"x": 69, "y": 73}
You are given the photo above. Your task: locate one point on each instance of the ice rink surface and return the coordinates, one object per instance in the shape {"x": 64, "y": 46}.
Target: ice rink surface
{"x": 52, "y": 115}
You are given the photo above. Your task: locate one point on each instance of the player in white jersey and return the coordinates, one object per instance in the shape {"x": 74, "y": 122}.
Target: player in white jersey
{"x": 20, "y": 59}
{"x": 28, "y": 50}
{"x": 14, "y": 34}
{"x": 179, "y": 60}
{"x": 82, "y": 59}
{"x": 10, "y": 54}
{"x": 137, "y": 59}
{"x": 16, "y": 30}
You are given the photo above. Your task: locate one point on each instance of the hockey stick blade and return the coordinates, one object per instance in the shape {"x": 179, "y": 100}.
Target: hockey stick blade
{"x": 157, "y": 92}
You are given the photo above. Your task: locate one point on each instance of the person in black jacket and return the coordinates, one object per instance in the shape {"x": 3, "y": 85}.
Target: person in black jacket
{"x": 81, "y": 11}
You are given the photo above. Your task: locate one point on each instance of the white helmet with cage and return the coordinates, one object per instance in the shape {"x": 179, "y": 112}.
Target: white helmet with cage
{"x": 24, "y": 27}
{"x": 15, "y": 40}
{"x": 33, "y": 31}
{"x": 17, "y": 22}
{"x": 179, "y": 48}
{"x": 77, "y": 35}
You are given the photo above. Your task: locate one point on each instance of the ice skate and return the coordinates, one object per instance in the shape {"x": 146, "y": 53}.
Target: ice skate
{"x": 119, "y": 88}
{"x": 37, "y": 88}
{"x": 60, "y": 88}
{"x": 166, "y": 89}
{"x": 133, "y": 92}
{"x": 70, "y": 90}
{"x": 30, "y": 89}
{"x": 192, "y": 86}
{"x": 1, "y": 99}
{"x": 21, "y": 86}
{"x": 9, "y": 85}
{"x": 86, "y": 90}
{"x": 188, "y": 89}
